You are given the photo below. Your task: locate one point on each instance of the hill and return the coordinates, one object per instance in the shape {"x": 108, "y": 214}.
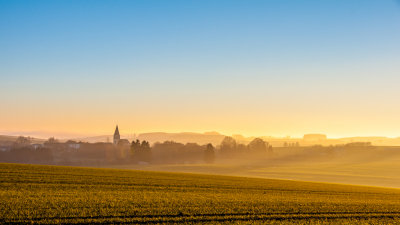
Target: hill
{"x": 153, "y": 137}
{"x": 184, "y": 137}
{"x": 54, "y": 194}
{"x": 10, "y": 139}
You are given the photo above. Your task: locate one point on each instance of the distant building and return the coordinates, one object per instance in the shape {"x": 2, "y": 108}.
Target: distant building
{"x": 36, "y": 146}
{"x": 5, "y": 148}
{"x": 117, "y": 137}
{"x": 359, "y": 144}
{"x": 124, "y": 143}
{"x": 74, "y": 146}
{"x": 122, "y": 146}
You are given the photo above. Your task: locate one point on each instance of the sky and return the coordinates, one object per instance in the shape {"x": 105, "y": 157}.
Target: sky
{"x": 257, "y": 68}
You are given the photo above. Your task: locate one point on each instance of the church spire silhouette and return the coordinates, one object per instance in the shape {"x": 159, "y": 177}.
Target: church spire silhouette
{"x": 117, "y": 137}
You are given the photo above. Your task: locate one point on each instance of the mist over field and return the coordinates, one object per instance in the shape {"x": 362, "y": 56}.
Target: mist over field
{"x": 374, "y": 166}
{"x": 360, "y": 163}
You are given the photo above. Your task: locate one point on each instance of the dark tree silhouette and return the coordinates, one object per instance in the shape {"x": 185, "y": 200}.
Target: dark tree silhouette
{"x": 258, "y": 145}
{"x": 141, "y": 152}
{"x": 21, "y": 140}
{"x": 228, "y": 146}
{"x": 209, "y": 154}
{"x": 51, "y": 140}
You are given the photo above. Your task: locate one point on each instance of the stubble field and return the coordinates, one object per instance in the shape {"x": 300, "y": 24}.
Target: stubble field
{"x": 54, "y": 194}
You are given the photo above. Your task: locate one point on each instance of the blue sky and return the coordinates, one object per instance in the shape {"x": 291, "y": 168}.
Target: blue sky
{"x": 274, "y": 67}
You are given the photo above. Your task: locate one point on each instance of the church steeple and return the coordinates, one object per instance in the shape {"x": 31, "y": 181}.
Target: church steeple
{"x": 116, "y": 136}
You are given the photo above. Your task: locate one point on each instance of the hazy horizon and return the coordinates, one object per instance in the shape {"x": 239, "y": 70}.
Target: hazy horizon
{"x": 126, "y": 133}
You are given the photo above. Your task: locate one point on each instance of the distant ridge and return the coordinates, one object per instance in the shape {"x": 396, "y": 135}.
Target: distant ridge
{"x": 184, "y": 137}
{"x": 153, "y": 137}
{"x": 8, "y": 138}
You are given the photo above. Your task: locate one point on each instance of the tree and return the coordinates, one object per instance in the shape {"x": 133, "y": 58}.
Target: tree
{"x": 141, "y": 152}
{"x": 173, "y": 152}
{"x": 228, "y": 145}
{"x": 258, "y": 145}
{"x": 22, "y": 141}
{"x": 209, "y": 154}
{"x": 135, "y": 145}
{"x": 52, "y": 140}
{"x": 145, "y": 145}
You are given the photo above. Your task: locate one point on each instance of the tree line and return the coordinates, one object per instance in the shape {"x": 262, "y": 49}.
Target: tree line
{"x": 80, "y": 153}
{"x": 174, "y": 152}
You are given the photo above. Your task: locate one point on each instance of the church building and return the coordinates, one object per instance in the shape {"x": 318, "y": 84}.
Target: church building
{"x": 118, "y": 141}
{"x": 117, "y": 137}
{"x": 123, "y": 145}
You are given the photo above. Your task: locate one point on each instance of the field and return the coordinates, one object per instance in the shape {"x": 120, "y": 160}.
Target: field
{"x": 54, "y": 194}
{"x": 378, "y": 166}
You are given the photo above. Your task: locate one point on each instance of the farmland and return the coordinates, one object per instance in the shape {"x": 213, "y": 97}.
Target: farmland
{"x": 55, "y": 194}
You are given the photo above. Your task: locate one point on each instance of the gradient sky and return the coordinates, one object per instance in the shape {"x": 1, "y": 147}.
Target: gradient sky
{"x": 271, "y": 68}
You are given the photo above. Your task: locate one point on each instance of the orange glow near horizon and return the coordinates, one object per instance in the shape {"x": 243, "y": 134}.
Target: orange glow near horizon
{"x": 253, "y": 125}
